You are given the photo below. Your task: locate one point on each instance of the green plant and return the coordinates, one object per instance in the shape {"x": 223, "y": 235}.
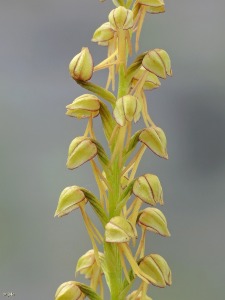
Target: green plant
{"x": 121, "y": 194}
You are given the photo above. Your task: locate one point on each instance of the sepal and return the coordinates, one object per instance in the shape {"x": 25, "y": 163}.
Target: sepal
{"x": 121, "y": 18}
{"x": 156, "y": 269}
{"x": 81, "y": 66}
{"x": 119, "y": 230}
{"x": 87, "y": 264}
{"x": 157, "y": 61}
{"x": 148, "y": 188}
{"x": 84, "y": 106}
{"x": 152, "y": 219}
{"x": 69, "y": 291}
{"x": 70, "y": 199}
{"x": 103, "y": 34}
{"x": 127, "y": 108}
{"x": 154, "y": 138}
{"x": 81, "y": 150}
{"x": 151, "y": 82}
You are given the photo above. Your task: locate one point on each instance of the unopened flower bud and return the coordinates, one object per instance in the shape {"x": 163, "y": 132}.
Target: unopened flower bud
{"x": 148, "y": 188}
{"x": 103, "y": 34}
{"x": 152, "y": 219}
{"x": 127, "y": 108}
{"x": 166, "y": 60}
{"x": 81, "y": 66}
{"x": 84, "y": 106}
{"x": 121, "y": 18}
{"x": 135, "y": 296}
{"x": 154, "y": 138}
{"x": 69, "y": 291}
{"x": 87, "y": 263}
{"x": 151, "y": 82}
{"x": 119, "y": 230}
{"x": 157, "y": 269}
{"x": 164, "y": 268}
{"x": 70, "y": 199}
{"x": 157, "y": 61}
{"x": 81, "y": 150}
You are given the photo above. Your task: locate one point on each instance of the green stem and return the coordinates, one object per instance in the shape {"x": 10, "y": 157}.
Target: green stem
{"x": 114, "y": 270}
{"x": 112, "y": 255}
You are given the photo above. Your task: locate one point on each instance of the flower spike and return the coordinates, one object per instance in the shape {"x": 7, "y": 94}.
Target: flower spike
{"x": 118, "y": 207}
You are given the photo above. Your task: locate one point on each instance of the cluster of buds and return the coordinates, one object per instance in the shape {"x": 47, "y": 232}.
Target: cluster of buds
{"x": 118, "y": 251}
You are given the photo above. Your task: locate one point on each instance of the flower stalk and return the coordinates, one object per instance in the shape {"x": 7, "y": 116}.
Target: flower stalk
{"x": 118, "y": 253}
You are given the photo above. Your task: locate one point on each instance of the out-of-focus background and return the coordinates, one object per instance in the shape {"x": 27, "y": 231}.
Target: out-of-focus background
{"x": 37, "y": 41}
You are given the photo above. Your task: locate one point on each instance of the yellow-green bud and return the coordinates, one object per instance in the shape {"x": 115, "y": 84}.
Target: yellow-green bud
{"x": 154, "y": 138}
{"x": 127, "y": 108}
{"x": 150, "y": 8}
{"x": 148, "y": 188}
{"x": 81, "y": 66}
{"x": 151, "y": 82}
{"x": 84, "y": 106}
{"x": 70, "y": 199}
{"x": 152, "y": 219}
{"x": 157, "y": 268}
{"x": 69, "y": 291}
{"x": 103, "y": 34}
{"x": 87, "y": 263}
{"x": 119, "y": 230}
{"x": 135, "y": 296}
{"x": 121, "y": 18}
{"x": 157, "y": 61}
{"x": 166, "y": 60}
{"x": 81, "y": 150}
{"x": 164, "y": 268}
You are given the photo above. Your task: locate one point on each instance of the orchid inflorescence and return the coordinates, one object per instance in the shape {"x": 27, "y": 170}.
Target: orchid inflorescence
{"x": 115, "y": 253}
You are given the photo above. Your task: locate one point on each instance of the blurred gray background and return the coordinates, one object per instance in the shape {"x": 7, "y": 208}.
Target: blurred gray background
{"x": 37, "y": 41}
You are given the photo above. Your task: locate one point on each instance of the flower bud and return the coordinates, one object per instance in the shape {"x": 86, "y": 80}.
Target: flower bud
{"x": 84, "y": 106}
{"x": 103, "y": 34}
{"x": 69, "y": 291}
{"x": 157, "y": 62}
{"x": 119, "y": 230}
{"x": 164, "y": 268}
{"x": 121, "y": 18}
{"x": 81, "y": 66}
{"x": 154, "y": 138}
{"x": 152, "y": 219}
{"x": 151, "y": 82}
{"x": 148, "y": 188}
{"x": 157, "y": 269}
{"x": 81, "y": 150}
{"x": 127, "y": 108}
{"x": 87, "y": 263}
{"x": 70, "y": 199}
{"x": 135, "y": 296}
{"x": 166, "y": 60}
